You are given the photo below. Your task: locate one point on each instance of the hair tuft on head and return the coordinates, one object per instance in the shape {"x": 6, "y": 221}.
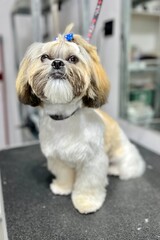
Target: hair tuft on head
{"x": 69, "y": 28}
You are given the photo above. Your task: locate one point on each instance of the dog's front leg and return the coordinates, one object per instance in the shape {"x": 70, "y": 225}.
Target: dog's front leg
{"x": 89, "y": 189}
{"x": 65, "y": 177}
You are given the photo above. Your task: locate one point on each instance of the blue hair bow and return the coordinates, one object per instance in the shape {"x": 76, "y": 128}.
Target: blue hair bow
{"x": 69, "y": 37}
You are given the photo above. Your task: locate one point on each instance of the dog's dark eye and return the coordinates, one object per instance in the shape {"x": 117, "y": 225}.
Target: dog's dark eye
{"x": 44, "y": 56}
{"x": 73, "y": 59}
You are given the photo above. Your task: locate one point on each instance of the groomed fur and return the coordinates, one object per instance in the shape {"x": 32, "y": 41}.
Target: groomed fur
{"x": 87, "y": 78}
{"x": 67, "y": 79}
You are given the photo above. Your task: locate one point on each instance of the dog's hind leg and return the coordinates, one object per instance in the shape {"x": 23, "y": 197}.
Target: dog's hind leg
{"x": 126, "y": 162}
{"x": 65, "y": 176}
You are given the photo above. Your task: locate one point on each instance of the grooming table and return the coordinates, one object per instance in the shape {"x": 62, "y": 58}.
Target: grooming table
{"x": 131, "y": 210}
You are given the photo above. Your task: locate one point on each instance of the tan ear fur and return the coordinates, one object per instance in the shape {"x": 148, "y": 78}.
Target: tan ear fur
{"x": 24, "y": 90}
{"x": 99, "y": 88}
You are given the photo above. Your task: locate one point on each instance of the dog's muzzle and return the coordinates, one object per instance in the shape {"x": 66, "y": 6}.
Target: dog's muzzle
{"x": 57, "y": 75}
{"x": 58, "y": 69}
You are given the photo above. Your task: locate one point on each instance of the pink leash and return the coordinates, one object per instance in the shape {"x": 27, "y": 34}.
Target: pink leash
{"x": 94, "y": 20}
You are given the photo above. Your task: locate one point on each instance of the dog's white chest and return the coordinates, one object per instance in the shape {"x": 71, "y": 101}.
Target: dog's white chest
{"x": 72, "y": 140}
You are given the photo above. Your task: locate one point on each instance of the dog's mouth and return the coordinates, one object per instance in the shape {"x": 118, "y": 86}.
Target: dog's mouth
{"x": 57, "y": 75}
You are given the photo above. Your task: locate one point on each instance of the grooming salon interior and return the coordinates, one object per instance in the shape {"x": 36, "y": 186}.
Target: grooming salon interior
{"x": 127, "y": 37}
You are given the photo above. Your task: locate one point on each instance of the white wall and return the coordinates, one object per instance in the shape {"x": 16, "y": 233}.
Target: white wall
{"x": 110, "y": 52}
{"x": 10, "y": 75}
{"x": 70, "y": 13}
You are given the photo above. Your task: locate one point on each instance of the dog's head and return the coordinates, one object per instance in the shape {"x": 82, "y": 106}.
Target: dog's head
{"x": 60, "y": 71}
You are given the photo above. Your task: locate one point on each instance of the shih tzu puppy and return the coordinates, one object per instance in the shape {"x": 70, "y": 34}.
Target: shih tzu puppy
{"x": 82, "y": 144}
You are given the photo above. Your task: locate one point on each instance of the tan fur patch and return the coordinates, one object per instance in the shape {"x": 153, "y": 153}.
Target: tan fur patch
{"x": 112, "y": 137}
{"x": 99, "y": 82}
{"x": 87, "y": 77}
{"x": 23, "y": 88}
{"x": 77, "y": 76}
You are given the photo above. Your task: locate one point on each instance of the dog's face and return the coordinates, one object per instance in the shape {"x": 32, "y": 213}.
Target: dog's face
{"x": 60, "y": 71}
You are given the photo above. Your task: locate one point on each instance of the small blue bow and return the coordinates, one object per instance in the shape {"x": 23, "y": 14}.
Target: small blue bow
{"x": 69, "y": 36}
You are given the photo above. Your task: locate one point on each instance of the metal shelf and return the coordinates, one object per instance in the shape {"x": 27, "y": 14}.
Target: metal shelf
{"x": 140, "y": 89}
{"x": 147, "y": 69}
{"x": 138, "y": 2}
{"x": 24, "y": 6}
{"x": 145, "y": 14}
{"x": 140, "y": 67}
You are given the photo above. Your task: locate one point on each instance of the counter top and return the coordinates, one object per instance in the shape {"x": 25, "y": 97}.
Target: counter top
{"x": 131, "y": 209}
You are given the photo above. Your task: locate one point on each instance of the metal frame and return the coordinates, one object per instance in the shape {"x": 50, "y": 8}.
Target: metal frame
{"x": 36, "y": 9}
{"x": 4, "y": 103}
{"x": 157, "y": 93}
{"x": 3, "y": 227}
{"x": 124, "y": 56}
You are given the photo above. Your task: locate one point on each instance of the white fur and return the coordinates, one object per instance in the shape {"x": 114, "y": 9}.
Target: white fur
{"x": 74, "y": 45}
{"x": 128, "y": 165}
{"x": 75, "y": 147}
{"x": 62, "y": 109}
{"x": 58, "y": 91}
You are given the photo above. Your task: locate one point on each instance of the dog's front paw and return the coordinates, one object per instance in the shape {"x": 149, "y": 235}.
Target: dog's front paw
{"x": 88, "y": 203}
{"x": 59, "y": 188}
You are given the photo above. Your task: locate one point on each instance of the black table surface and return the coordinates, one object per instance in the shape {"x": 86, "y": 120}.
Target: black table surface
{"x": 131, "y": 209}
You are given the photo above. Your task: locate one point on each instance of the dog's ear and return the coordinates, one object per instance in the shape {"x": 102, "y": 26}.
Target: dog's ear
{"x": 98, "y": 90}
{"x": 24, "y": 90}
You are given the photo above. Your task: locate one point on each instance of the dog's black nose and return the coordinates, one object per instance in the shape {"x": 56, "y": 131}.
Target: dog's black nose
{"x": 57, "y": 64}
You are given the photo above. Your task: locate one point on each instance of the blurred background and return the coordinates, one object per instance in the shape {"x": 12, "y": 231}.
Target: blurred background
{"x": 127, "y": 37}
